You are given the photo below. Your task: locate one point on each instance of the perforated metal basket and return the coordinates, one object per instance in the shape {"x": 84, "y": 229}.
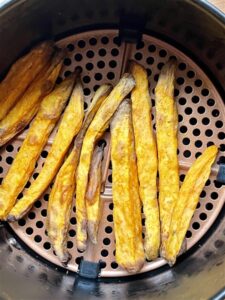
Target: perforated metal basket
{"x": 102, "y": 55}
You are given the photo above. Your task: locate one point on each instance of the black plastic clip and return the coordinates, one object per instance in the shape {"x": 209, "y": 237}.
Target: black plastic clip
{"x": 89, "y": 269}
{"x": 221, "y": 174}
{"x": 131, "y": 28}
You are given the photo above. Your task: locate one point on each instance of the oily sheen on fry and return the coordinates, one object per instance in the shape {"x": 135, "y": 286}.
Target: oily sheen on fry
{"x": 21, "y": 74}
{"x": 189, "y": 194}
{"x": 72, "y": 120}
{"x": 93, "y": 199}
{"x": 145, "y": 147}
{"x": 94, "y": 132}
{"x": 24, "y": 110}
{"x": 61, "y": 196}
{"x": 24, "y": 162}
{"x": 166, "y": 133}
{"x": 127, "y": 207}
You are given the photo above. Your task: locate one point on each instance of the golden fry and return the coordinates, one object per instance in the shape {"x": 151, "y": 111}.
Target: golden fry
{"x": 21, "y": 74}
{"x": 68, "y": 128}
{"x": 24, "y": 110}
{"x": 94, "y": 132}
{"x": 24, "y": 162}
{"x": 166, "y": 133}
{"x": 61, "y": 197}
{"x": 146, "y": 151}
{"x": 93, "y": 199}
{"x": 190, "y": 191}
{"x": 127, "y": 209}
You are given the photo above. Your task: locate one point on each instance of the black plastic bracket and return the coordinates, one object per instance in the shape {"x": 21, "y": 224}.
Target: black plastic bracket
{"x": 131, "y": 28}
{"x": 89, "y": 269}
{"x": 221, "y": 174}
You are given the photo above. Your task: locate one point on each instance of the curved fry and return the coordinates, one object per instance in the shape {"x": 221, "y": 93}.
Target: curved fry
{"x": 21, "y": 74}
{"x": 24, "y": 162}
{"x": 127, "y": 208}
{"x": 72, "y": 119}
{"x": 61, "y": 197}
{"x": 184, "y": 209}
{"x": 146, "y": 151}
{"x": 94, "y": 132}
{"x": 166, "y": 129}
{"x": 24, "y": 110}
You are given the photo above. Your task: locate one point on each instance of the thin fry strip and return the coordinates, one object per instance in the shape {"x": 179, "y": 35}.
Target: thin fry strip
{"x": 21, "y": 74}
{"x": 24, "y": 162}
{"x": 127, "y": 209}
{"x": 24, "y": 110}
{"x": 61, "y": 197}
{"x": 146, "y": 151}
{"x": 190, "y": 191}
{"x": 93, "y": 199}
{"x": 72, "y": 119}
{"x": 166, "y": 133}
{"x": 94, "y": 132}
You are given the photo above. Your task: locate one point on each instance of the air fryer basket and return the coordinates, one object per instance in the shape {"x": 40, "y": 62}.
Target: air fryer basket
{"x": 101, "y": 38}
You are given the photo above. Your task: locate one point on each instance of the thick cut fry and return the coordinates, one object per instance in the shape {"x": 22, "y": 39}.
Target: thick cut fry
{"x": 190, "y": 191}
{"x": 68, "y": 128}
{"x": 94, "y": 132}
{"x": 145, "y": 147}
{"x": 166, "y": 132}
{"x": 21, "y": 74}
{"x": 127, "y": 208}
{"x": 24, "y": 111}
{"x": 93, "y": 199}
{"x": 24, "y": 163}
{"x": 61, "y": 197}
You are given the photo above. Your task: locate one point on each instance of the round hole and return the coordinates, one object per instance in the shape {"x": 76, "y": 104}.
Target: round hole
{"x": 209, "y": 206}
{"x": 214, "y": 195}
{"x": 205, "y": 92}
{"x": 110, "y": 75}
{"x": 44, "y": 212}
{"x": 197, "y": 154}
{"x": 101, "y": 64}
{"x": 182, "y": 66}
{"x": 187, "y": 153}
{"x": 20, "y": 196}
{"x": 114, "y": 265}
{"x": 211, "y": 102}
{"x": 114, "y": 52}
{"x": 112, "y": 63}
{"x": 176, "y": 92}
{"x": 81, "y": 44}
{"x": 217, "y": 184}
{"x": 182, "y": 176}
{"x": 67, "y": 73}
{"x": 219, "y": 124}
{"x": 156, "y": 77}
{"x": 29, "y": 230}
{"x": 89, "y": 66}
{"x": 108, "y": 229}
{"x": 188, "y": 111}
{"x": 111, "y": 206}
{"x": 102, "y": 52}
{"x": 138, "y": 56}
{"x": 87, "y": 91}
{"x": 28, "y": 184}
{"x": 180, "y": 118}
{"x": 86, "y": 79}
{"x": 93, "y": 41}
{"x": 90, "y": 54}
{"x": 102, "y": 264}
{"x": 151, "y": 48}
{"x": 180, "y": 80}
{"x": 104, "y": 40}
{"x": 203, "y": 216}
{"x": 67, "y": 61}
{"x": 9, "y": 148}
{"x": 201, "y": 109}
{"x": 98, "y": 76}
{"x": 35, "y": 175}
{"x": 78, "y": 57}
{"x": 186, "y": 141}
{"x": 205, "y": 121}
{"x": 150, "y": 60}
{"x": 215, "y": 113}
{"x": 208, "y": 132}
{"x": 198, "y": 144}
{"x": 162, "y": 53}
{"x": 198, "y": 82}
{"x": 44, "y": 154}
{"x": 190, "y": 74}
{"x": 46, "y": 197}
{"x": 1, "y": 170}
{"x": 198, "y": 205}
{"x": 37, "y": 204}
{"x": 188, "y": 234}
{"x": 104, "y": 253}
{"x": 39, "y": 224}
{"x": 38, "y": 238}
{"x": 47, "y": 245}
{"x": 208, "y": 182}
{"x": 72, "y": 233}
{"x": 196, "y": 225}
{"x": 183, "y": 129}
{"x": 85, "y": 105}
{"x": 110, "y": 178}
{"x": 69, "y": 244}
{"x": 96, "y": 87}
{"x": 9, "y": 160}
{"x": 196, "y": 132}
{"x": 182, "y": 101}
{"x": 188, "y": 89}
{"x": 78, "y": 260}
{"x": 31, "y": 215}
{"x": 106, "y": 241}
{"x": 22, "y": 222}
{"x": 73, "y": 221}
{"x": 70, "y": 47}
{"x": 193, "y": 121}
{"x": 160, "y": 66}
{"x": 195, "y": 99}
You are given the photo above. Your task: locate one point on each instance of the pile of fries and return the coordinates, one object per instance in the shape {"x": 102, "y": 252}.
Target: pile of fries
{"x": 29, "y": 93}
